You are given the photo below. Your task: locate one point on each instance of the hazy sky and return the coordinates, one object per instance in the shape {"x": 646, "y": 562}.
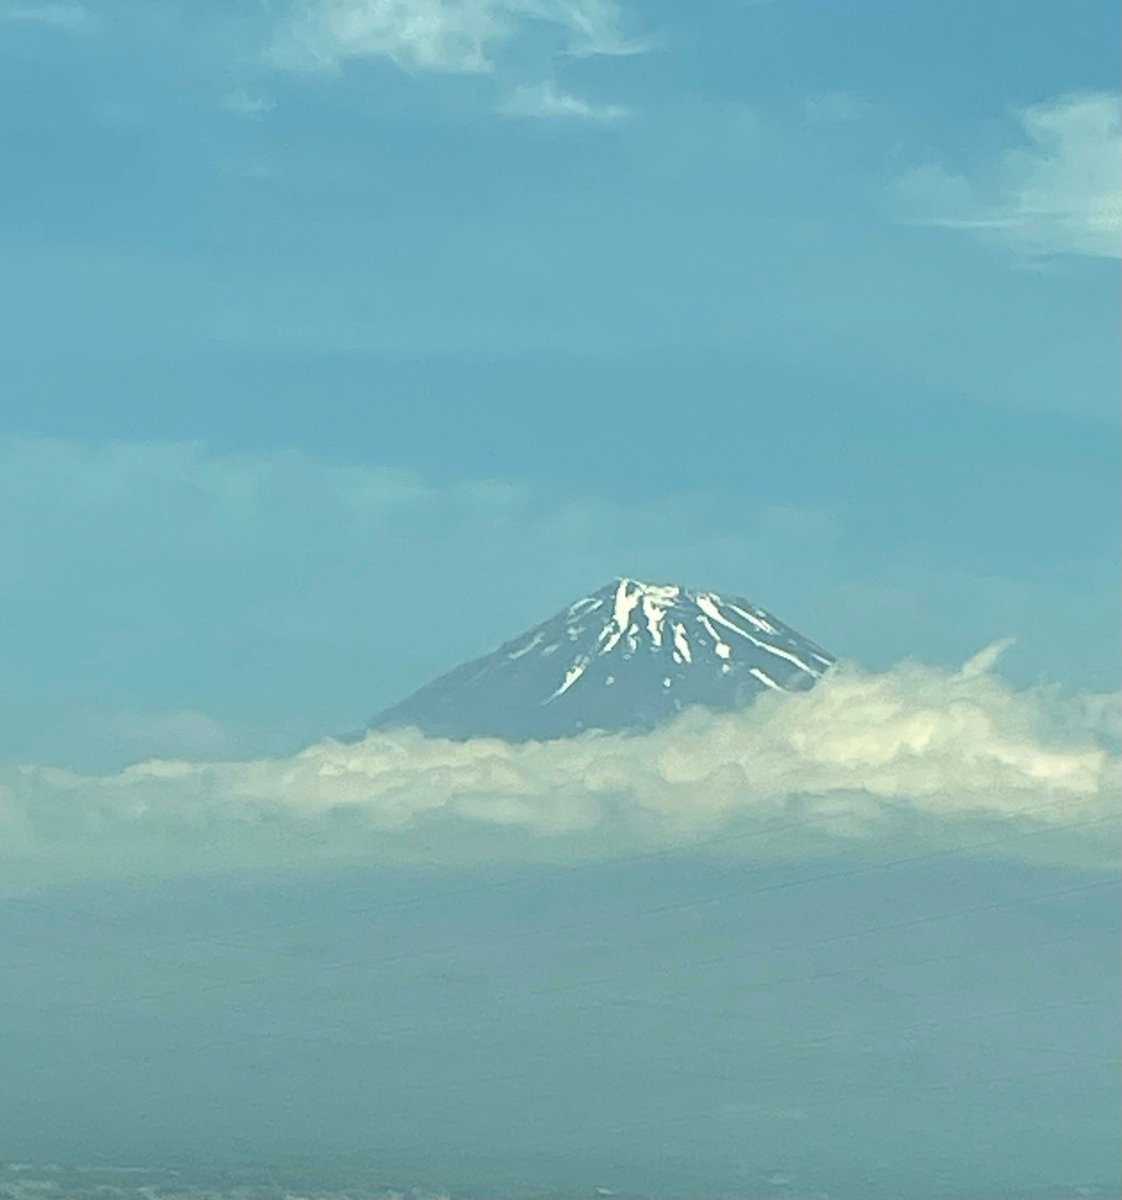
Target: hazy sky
{"x": 346, "y": 338}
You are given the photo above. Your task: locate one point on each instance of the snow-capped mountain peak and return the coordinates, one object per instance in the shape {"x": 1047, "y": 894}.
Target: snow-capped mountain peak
{"x": 628, "y": 656}
{"x": 687, "y": 624}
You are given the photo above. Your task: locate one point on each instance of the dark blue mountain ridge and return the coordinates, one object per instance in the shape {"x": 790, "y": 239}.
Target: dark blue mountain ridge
{"x": 625, "y": 658}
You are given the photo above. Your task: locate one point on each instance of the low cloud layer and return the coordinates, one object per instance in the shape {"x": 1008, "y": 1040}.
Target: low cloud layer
{"x": 914, "y": 754}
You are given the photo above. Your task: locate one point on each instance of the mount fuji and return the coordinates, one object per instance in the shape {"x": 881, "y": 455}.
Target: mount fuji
{"x": 626, "y": 658}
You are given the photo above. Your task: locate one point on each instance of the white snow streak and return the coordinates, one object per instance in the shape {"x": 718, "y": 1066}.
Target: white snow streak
{"x": 625, "y": 603}
{"x": 765, "y": 678}
{"x": 759, "y": 622}
{"x": 571, "y": 676}
{"x": 682, "y": 642}
{"x": 705, "y": 603}
{"x": 536, "y": 640}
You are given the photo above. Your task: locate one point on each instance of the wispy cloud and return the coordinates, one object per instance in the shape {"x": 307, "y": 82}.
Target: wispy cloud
{"x": 546, "y": 101}
{"x": 60, "y": 15}
{"x": 452, "y": 36}
{"x": 1058, "y": 192}
{"x": 835, "y": 108}
{"x": 244, "y": 103}
{"x": 941, "y": 757}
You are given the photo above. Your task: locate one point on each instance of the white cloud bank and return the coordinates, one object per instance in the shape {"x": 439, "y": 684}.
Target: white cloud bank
{"x": 1058, "y": 192}
{"x": 915, "y": 752}
{"x": 450, "y": 36}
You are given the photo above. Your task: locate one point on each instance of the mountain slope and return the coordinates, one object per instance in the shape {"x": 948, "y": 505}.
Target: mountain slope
{"x": 628, "y": 657}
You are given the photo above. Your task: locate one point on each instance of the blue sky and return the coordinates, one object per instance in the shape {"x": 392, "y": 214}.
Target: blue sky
{"x": 349, "y": 337}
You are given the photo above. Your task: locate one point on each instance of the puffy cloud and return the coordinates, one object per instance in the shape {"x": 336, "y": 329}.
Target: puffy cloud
{"x": 546, "y": 100}
{"x": 927, "y": 754}
{"x": 1059, "y": 192}
{"x": 455, "y": 36}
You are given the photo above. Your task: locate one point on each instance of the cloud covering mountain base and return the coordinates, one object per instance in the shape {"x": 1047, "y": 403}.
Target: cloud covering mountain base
{"x": 915, "y": 753}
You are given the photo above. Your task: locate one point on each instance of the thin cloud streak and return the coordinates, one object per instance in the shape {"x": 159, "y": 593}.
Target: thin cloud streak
{"x": 835, "y": 108}
{"x": 548, "y": 101}
{"x": 1059, "y": 192}
{"x": 58, "y": 16}
{"x": 243, "y": 103}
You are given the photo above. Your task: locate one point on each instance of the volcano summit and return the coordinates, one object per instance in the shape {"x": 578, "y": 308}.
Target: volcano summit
{"x": 626, "y": 658}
